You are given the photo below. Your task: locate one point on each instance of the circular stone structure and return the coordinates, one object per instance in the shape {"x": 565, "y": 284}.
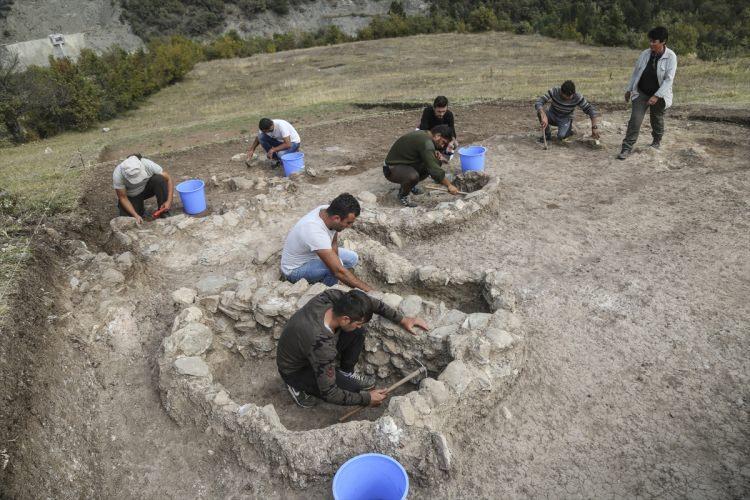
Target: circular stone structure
{"x": 217, "y": 364}
{"x": 426, "y": 219}
{"x": 471, "y": 358}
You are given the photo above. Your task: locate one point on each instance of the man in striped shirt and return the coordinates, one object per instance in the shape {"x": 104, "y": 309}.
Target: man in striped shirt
{"x": 563, "y": 101}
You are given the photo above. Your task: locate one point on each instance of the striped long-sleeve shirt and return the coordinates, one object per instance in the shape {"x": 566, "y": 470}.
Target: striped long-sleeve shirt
{"x": 565, "y": 107}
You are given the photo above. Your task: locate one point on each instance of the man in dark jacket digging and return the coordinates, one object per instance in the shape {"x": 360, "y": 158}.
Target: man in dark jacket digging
{"x": 330, "y": 326}
{"x": 414, "y": 157}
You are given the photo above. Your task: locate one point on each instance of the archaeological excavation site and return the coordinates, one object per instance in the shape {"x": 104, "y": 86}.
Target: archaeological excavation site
{"x": 553, "y": 287}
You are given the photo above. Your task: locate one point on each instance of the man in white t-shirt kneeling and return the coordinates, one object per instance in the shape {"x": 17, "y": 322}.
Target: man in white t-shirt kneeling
{"x": 137, "y": 179}
{"x": 311, "y": 248}
{"x": 277, "y": 137}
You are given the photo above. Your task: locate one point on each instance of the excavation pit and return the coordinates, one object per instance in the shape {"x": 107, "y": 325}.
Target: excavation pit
{"x": 247, "y": 368}
{"x": 218, "y": 372}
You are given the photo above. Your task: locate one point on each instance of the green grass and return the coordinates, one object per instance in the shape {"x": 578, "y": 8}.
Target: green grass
{"x": 219, "y": 98}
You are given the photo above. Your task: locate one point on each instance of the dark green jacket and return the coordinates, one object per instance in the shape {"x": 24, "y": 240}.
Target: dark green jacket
{"x": 417, "y": 150}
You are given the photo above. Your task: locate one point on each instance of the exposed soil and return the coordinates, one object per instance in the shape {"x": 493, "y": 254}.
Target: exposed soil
{"x": 258, "y": 381}
{"x": 633, "y": 277}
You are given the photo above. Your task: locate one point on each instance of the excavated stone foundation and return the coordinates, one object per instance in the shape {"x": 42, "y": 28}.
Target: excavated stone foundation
{"x": 217, "y": 366}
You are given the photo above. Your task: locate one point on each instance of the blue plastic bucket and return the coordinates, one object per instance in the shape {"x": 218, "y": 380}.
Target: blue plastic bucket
{"x": 472, "y": 158}
{"x": 293, "y": 163}
{"x": 371, "y": 476}
{"x": 193, "y": 196}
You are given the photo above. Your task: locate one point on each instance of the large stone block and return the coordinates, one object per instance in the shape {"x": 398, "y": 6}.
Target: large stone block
{"x": 193, "y": 339}
{"x": 213, "y": 284}
{"x": 457, "y": 376}
{"x": 193, "y": 366}
{"x": 411, "y": 306}
{"x": 184, "y": 296}
{"x": 392, "y": 300}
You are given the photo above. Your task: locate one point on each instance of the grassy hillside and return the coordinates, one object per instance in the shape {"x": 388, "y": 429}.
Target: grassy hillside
{"x": 221, "y": 98}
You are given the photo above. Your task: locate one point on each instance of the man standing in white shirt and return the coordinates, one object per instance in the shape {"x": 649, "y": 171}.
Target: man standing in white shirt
{"x": 137, "y": 179}
{"x": 650, "y": 88}
{"x": 311, "y": 248}
{"x": 277, "y": 137}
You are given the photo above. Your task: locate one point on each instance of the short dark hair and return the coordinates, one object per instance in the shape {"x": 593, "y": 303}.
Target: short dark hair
{"x": 440, "y": 102}
{"x": 265, "y": 123}
{"x": 659, "y": 33}
{"x": 445, "y": 131}
{"x": 354, "y": 305}
{"x": 343, "y": 205}
{"x": 137, "y": 155}
{"x": 568, "y": 87}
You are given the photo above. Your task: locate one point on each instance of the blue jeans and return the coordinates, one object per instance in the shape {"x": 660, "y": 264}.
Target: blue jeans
{"x": 268, "y": 142}
{"x": 316, "y": 271}
{"x": 564, "y": 123}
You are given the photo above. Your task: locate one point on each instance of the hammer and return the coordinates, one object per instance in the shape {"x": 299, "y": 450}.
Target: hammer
{"x": 421, "y": 369}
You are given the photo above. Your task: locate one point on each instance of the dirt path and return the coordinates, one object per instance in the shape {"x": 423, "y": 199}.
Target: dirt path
{"x": 631, "y": 278}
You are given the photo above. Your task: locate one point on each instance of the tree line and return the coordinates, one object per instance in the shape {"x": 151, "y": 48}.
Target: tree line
{"x": 41, "y": 102}
{"x": 711, "y": 29}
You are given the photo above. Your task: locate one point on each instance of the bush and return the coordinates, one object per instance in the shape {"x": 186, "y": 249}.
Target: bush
{"x": 482, "y": 19}
{"x": 60, "y": 98}
{"x": 41, "y": 102}
{"x": 170, "y": 59}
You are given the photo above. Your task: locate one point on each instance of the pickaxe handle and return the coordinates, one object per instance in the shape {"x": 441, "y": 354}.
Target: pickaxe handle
{"x": 435, "y": 188}
{"x": 387, "y": 391}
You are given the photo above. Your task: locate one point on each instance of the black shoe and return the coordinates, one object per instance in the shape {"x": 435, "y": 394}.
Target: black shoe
{"x": 365, "y": 382}
{"x": 417, "y": 190}
{"x": 623, "y": 154}
{"x": 404, "y": 200}
{"x": 656, "y": 144}
{"x": 541, "y": 140}
{"x": 303, "y": 399}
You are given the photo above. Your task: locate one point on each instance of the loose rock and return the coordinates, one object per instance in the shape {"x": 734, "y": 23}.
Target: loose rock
{"x": 112, "y": 277}
{"x": 442, "y": 450}
{"x": 396, "y": 239}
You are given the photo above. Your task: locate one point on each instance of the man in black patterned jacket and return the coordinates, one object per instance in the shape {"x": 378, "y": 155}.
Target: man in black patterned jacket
{"x": 331, "y": 325}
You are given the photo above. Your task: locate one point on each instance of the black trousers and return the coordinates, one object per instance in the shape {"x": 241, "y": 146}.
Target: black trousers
{"x": 156, "y": 186}
{"x": 349, "y": 347}
{"x": 405, "y": 175}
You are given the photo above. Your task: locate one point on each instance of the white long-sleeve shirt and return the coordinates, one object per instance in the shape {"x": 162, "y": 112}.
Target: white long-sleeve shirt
{"x": 666, "y": 68}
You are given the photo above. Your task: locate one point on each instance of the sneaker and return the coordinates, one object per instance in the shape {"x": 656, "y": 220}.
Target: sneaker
{"x": 623, "y": 154}
{"x": 656, "y": 144}
{"x": 365, "y": 382}
{"x": 303, "y": 399}
{"x": 417, "y": 190}
{"x": 404, "y": 200}
{"x": 541, "y": 140}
